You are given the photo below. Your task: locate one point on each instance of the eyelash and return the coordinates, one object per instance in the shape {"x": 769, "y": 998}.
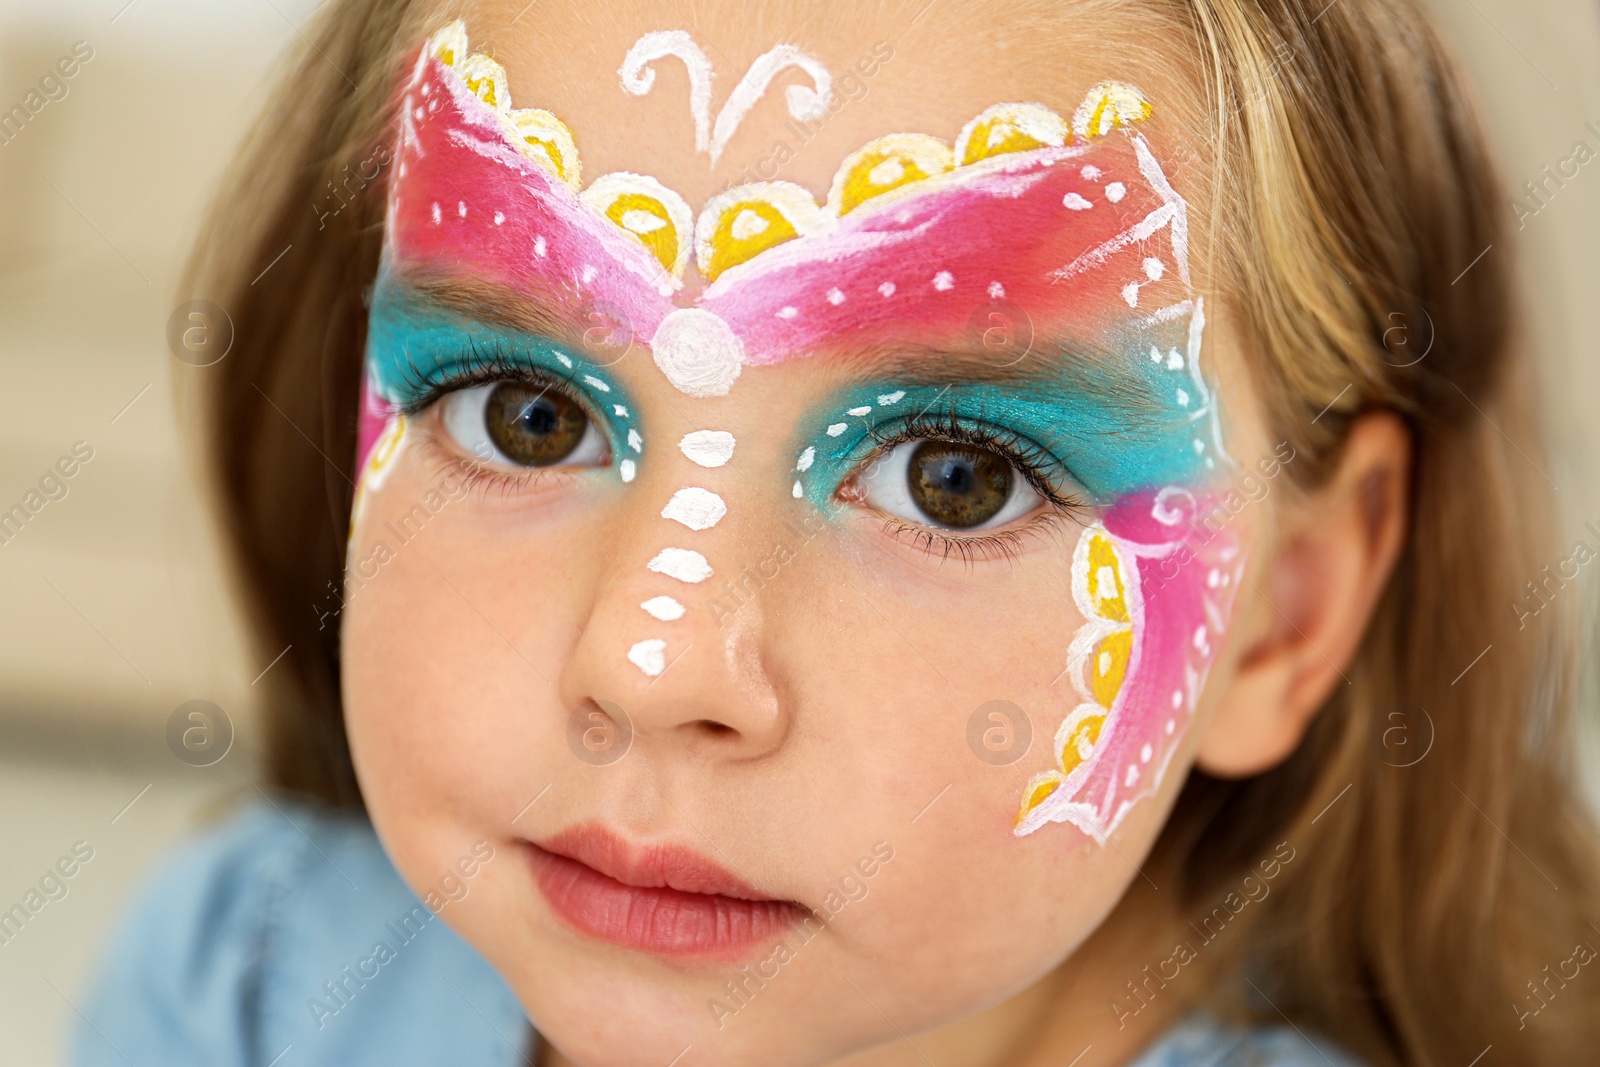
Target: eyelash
{"x": 484, "y": 367}
{"x": 1029, "y": 459}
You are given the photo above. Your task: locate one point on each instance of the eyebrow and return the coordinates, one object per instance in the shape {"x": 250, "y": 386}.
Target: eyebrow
{"x": 492, "y": 304}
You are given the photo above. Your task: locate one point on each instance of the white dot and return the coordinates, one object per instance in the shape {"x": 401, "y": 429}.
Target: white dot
{"x": 835, "y": 297}
{"x": 1132, "y": 775}
{"x": 588, "y": 273}
{"x": 1075, "y": 202}
{"x": 697, "y": 352}
{"x": 1174, "y": 361}
{"x": 1200, "y": 637}
{"x": 566, "y": 360}
{"x": 943, "y": 280}
{"x": 499, "y": 218}
{"x": 437, "y": 214}
{"x": 1115, "y": 191}
{"x": 1183, "y": 398}
{"x": 1130, "y": 293}
{"x": 887, "y": 288}
{"x": 996, "y": 290}
{"x": 1153, "y": 268}
{"x": 627, "y": 468}
{"x": 1155, "y": 354}
{"x": 1171, "y": 726}
{"x": 621, "y": 411}
{"x": 1145, "y": 753}
{"x": 649, "y": 656}
{"x": 1104, "y": 665}
{"x": 417, "y": 113}
{"x": 892, "y": 398}
{"x": 1177, "y": 698}
{"x": 708, "y": 448}
{"x": 461, "y": 208}
{"x": 538, "y": 246}
{"x": 1090, "y": 173}
{"x": 1199, "y": 446}
{"x": 838, "y": 428}
{"x": 684, "y": 564}
{"x": 696, "y": 508}
{"x": 858, "y": 412}
{"x": 787, "y": 313}
{"x": 597, "y": 383}
{"x": 664, "y": 608}
{"x": 798, "y": 492}
{"x": 635, "y": 442}
{"x": 806, "y": 459}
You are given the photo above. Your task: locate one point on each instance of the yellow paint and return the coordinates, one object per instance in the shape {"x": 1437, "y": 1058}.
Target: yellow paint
{"x": 745, "y": 221}
{"x": 486, "y": 80}
{"x": 1107, "y": 106}
{"x": 545, "y": 139}
{"x": 1079, "y": 744}
{"x": 885, "y": 165}
{"x": 1108, "y": 666}
{"x": 1037, "y": 792}
{"x": 450, "y": 44}
{"x": 1009, "y": 128}
{"x": 647, "y": 211}
{"x": 1102, "y": 557}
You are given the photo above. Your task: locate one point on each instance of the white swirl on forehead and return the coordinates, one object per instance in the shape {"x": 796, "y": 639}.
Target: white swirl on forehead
{"x": 698, "y": 352}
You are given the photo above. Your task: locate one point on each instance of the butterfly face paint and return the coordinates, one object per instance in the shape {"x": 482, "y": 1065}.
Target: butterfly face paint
{"x": 1074, "y": 225}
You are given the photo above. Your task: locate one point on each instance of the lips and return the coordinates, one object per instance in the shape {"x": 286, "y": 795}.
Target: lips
{"x": 663, "y": 899}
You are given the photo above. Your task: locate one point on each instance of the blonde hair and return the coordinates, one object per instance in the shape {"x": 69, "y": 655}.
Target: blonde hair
{"x": 1352, "y": 193}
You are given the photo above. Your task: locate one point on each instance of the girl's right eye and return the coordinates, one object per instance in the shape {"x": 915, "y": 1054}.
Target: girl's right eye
{"x": 523, "y": 424}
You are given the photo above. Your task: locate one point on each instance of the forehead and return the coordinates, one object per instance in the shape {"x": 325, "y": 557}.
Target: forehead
{"x": 949, "y": 60}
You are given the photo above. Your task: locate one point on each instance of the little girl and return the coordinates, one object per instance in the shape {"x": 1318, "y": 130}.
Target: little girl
{"x": 959, "y": 534}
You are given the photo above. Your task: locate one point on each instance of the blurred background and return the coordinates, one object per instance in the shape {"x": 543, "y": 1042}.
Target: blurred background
{"x": 114, "y": 611}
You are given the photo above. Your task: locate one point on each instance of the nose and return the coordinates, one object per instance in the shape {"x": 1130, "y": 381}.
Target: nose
{"x": 661, "y": 640}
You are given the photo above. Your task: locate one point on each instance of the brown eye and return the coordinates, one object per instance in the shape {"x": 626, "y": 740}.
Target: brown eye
{"x": 533, "y": 426}
{"x": 523, "y": 424}
{"x": 956, "y": 485}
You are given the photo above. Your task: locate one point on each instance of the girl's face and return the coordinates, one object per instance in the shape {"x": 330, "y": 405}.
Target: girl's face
{"x": 809, "y": 593}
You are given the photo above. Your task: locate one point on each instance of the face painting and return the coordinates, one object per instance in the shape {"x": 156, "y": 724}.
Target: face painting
{"x": 917, "y": 259}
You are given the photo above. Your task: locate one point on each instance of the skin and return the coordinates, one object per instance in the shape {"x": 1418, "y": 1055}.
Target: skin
{"x": 828, "y": 712}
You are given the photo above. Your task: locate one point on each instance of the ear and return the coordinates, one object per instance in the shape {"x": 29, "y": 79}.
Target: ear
{"x": 1331, "y": 558}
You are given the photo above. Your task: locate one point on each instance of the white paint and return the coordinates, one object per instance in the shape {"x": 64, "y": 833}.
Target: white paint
{"x": 892, "y": 398}
{"x": 697, "y": 352}
{"x": 566, "y": 360}
{"x": 1076, "y": 202}
{"x": 1183, "y": 398}
{"x": 1132, "y": 776}
{"x": 1130, "y": 293}
{"x": 887, "y": 288}
{"x": 638, "y": 78}
{"x": 664, "y": 608}
{"x": 1145, "y": 753}
{"x": 589, "y": 273}
{"x": 642, "y": 222}
{"x": 787, "y": 312}
{"x": 438, "y": 216}
{"x": 835, "y": 297}
{"x": 1153, "y": 268}
{"x": 1090, "y": 173}
{"x": 684, "y": 564}
{"x": 748, "y": 224}
{"x": 708, "y": 448}
{"x": 628, "y": 469}
{"x": 620, "y": 411}
{"x": 499, "y": 218}
{"x": 538, "y": 246}
{"x": 943, "y": 280}
{"x": 649, "y": 656}
{"x": 858, "y": 412}
{"x": 635, "y": 442}
{"x": 696, "y": 508}
{"x": 888, "y": 172}
{"x": 798, "y": 492}
{"x": 597, "y": 383}
{"x": 461, "y": 208}
{"x": 1116, "y": 191}
{"x": 808, "y": 457}
{"x": 996, "y": 291}
{"x": 837, "y": 428}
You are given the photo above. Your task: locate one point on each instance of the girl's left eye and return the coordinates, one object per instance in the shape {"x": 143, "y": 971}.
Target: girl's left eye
{"x": 523, "y": 424}
{"x": 948, "y": 485}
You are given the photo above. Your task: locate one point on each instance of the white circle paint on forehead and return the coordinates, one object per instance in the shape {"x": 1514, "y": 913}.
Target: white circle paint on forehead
{"x": 698, "y": 352}
{"x": 708, "y": 448}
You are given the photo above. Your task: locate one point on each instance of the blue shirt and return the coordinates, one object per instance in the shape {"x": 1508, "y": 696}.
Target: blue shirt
{"x": 283, "y": 937}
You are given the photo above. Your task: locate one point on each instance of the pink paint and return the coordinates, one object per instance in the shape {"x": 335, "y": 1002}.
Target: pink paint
{"x": 466, "y": 201}
{"x": 1187, "y": 573}
{"x": 374, "y": 415}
